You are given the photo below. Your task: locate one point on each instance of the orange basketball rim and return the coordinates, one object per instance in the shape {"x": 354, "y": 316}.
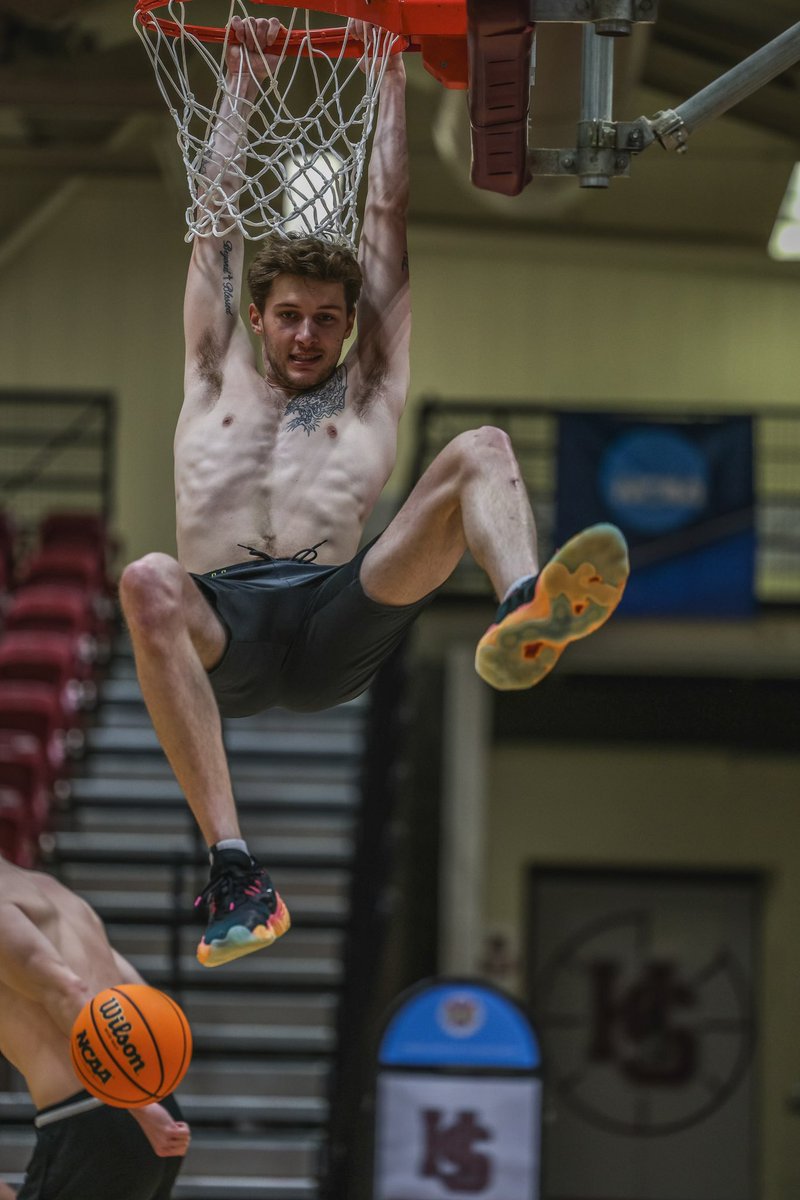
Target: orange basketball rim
{"x": 435, "y": 28}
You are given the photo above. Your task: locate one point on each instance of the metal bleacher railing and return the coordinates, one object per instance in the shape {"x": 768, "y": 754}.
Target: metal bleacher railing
{"x": 56, "y": 452}
{"x": 533, "y": 429}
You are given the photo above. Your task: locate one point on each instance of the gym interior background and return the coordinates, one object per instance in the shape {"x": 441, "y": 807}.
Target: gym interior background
{"x": 657, "y": 294}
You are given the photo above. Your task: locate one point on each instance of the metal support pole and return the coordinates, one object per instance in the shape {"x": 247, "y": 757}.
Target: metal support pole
{"x": 597, "y": 76}
{"x": 596, "y": 133}
{"x": 741, "y": 80}
{"x": 672, "y": 127}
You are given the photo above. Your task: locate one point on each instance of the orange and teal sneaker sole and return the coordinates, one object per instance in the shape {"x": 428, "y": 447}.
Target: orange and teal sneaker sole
{"x": 239, "y": 940}
{"x": 576, "y": 593}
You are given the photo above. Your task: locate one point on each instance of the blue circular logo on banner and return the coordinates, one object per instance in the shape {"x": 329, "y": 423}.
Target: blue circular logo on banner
{"x": 654, "y": 480}
{"x": 461, "y": 1014}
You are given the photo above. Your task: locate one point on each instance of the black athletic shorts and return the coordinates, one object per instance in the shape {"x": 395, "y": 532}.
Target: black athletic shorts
{"x": 300, "y": 635}
{"x": 101, "y": 1154}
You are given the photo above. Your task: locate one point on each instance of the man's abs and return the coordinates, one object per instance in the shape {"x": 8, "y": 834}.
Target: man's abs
{"x": 280, "y": 492}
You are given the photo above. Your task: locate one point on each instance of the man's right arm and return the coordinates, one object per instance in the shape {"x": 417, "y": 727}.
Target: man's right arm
{"x": 31, "y": 965}
{"x": 213, "y": 327}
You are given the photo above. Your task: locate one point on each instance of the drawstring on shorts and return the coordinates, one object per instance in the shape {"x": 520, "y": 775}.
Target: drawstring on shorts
{"x": 307, "y": 555}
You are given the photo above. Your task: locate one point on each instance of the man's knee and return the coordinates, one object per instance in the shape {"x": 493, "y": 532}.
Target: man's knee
{"x": 482, "y": 448}
{"x": 150, "y": 591}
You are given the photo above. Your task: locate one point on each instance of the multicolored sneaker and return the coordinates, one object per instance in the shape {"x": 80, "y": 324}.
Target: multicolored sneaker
{"x": 245, "y": 912}
{"x": 575, "y": 593}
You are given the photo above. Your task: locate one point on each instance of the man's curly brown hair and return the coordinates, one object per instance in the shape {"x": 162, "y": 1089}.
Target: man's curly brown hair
{"x": 308, "y": 257}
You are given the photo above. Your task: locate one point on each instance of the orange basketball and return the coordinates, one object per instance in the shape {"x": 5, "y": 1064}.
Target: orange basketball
{"x": 131, "y": 1045}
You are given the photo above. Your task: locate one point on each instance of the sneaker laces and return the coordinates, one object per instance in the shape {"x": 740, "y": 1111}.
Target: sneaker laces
{"x": 230, "y": 889}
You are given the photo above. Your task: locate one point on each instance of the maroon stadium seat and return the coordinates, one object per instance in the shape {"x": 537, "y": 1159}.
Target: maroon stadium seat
{"x": 75, "y": 565}
{"x": 36, "y": 708}
{"x": 87, "y": 529}
{"x": 45, "y": 656}
{"x": 24, "y": 770}
{"x": 62, "y": 608}
{"x": 16, "y": 843}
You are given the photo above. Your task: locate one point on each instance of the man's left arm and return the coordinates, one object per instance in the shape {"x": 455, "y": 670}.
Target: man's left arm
{"x": 168, "y": 1138}
{"x": 384, "y": 308}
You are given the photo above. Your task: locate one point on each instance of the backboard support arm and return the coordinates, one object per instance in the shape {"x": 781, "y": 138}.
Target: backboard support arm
{"x": 501, "y": 34}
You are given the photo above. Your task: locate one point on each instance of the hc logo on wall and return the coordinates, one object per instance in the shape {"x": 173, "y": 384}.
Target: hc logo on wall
{"x": 682, "y": 492}
{"x": 458, "y": 1098}
{"x": 645, "y": 986}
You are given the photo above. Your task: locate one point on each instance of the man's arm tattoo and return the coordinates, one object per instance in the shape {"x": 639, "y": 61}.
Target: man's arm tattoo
{"x": 227, "y": 277}
{"x": 319, "y": 404}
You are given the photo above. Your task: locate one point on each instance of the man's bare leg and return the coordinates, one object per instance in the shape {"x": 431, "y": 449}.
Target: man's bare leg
{"x": 176, "y": 639}
{"x": 472, "y": 496}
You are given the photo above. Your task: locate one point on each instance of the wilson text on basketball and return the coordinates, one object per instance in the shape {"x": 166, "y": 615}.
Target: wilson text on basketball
{"x": 119, "y": 1029}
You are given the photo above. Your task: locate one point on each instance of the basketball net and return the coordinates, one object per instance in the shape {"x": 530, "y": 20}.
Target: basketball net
{"x": 257, "y": 165}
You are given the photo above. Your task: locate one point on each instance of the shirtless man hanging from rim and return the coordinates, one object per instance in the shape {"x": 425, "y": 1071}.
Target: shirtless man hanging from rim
{"x": 270, "y": 601}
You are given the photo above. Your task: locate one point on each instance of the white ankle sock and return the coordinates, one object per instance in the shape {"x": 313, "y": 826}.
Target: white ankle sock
{"x": 230, "y": 844}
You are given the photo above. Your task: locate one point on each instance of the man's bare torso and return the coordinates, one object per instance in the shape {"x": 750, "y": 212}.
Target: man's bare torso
{"x": 28, "y": 1037}
{"x": 257, "y": 467}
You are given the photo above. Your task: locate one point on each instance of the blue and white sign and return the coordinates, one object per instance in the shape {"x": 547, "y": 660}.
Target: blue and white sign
{"x": 460, "y": 1025}
{"x": 440, "y": 1137}
{"x": 654, "y": 480}
{"x": 459, "y": 1097}
{"x": 682, "y": 492}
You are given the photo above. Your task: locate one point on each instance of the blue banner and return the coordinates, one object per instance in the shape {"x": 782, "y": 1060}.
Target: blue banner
{"x": 682, "y": 492}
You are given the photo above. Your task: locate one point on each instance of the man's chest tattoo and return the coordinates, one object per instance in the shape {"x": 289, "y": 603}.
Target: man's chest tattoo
{"x": 310, "y": 408}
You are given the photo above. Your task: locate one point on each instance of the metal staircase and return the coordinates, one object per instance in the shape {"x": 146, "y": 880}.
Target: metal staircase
{"x": 264, "y": 1027}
